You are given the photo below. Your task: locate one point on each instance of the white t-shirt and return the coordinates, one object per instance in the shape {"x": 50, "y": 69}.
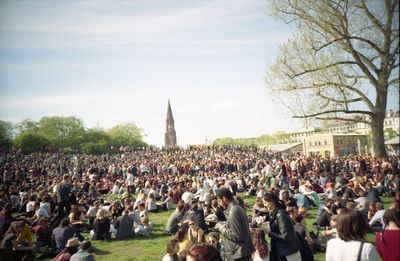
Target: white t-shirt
{"x": 339, "y": 250}
{"x": 129, "y": 179}
{"x": 167, "y": 257}
{"x": 256, "y": 257}
{"x": 30, "y": 207}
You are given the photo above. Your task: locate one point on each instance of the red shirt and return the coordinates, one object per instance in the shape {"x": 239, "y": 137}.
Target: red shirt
{"x": 390, "y": 251}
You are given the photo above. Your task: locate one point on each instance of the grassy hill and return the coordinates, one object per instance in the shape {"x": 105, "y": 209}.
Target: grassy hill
{"x": 153, "y": 248}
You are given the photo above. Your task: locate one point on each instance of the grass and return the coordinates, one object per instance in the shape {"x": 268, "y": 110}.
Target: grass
{"x": 153, "y": 248}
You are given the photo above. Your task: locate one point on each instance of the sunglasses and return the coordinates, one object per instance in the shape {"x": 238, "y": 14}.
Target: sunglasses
{"x": 191, "y": 224}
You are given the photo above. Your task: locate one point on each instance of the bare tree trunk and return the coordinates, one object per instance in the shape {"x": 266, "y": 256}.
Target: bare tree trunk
{"x": 378, "y": 137}
{"x": 377, "y": 120}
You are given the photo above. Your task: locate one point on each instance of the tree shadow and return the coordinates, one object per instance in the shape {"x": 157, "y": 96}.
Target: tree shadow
{"x": 100, "y": 252}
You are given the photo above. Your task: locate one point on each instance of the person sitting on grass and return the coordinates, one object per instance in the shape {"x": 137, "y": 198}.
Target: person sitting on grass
{"x": 9, "y": 243}
{"x": 146, "y": 229}
{"x": 172, "y": 251}
{"x": 124, "y": 226}
{"x": 70, "y": 248}
{"x": 101, "y": 226}
{"x": 172, "y": 225}
{"x": 84, "y": 252}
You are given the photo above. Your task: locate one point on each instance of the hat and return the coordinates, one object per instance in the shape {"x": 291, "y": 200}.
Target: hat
{"x": 72, "y": 242}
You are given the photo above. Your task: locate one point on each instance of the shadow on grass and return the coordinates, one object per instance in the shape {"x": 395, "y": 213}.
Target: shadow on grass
{"x": 100, "y": 252}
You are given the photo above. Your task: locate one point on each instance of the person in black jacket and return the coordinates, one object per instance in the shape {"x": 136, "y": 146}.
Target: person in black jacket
{"x": 236, "y": 231}
{"x": 285, "y": 244}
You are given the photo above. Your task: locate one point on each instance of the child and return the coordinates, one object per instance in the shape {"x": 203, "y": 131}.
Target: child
{"x": 146, "y": 229}
{"x": 143, "y": 212}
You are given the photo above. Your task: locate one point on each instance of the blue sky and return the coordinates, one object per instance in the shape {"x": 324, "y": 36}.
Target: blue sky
{"x": 111, "y": 62}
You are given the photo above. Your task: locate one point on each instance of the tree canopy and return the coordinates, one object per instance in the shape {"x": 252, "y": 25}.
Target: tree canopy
{"x": 68, "y": 134}
{"x": 343, "y": 60}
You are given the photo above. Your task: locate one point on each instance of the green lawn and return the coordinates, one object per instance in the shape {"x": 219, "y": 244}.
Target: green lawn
{"x": 153, "y": 248}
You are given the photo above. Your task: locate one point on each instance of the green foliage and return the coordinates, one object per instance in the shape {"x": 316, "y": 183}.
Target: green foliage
{"x": 6, "y": 132}
{"x": 278, "y": 137}
{"x": 31, "y": 142}
{"x": 68, "y": 134}
{"x": 95, "y": 148}
{"x": 126, "y": 134}
{"x": 28, "y": 125}
{"x": 63, "y": 132}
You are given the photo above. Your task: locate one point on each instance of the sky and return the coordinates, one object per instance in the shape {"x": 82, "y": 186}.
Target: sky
{"x": 113, "y": 62}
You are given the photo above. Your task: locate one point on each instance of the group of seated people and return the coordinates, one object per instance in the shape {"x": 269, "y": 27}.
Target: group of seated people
{"x": 113, "y": 200}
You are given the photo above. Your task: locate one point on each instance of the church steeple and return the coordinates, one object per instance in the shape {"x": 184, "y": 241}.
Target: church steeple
{"x": 170, "y": 134}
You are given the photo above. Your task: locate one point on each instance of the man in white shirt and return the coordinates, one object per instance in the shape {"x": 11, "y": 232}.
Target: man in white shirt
{"x": 130, "y": 181}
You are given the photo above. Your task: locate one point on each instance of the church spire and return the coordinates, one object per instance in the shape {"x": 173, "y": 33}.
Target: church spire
{"x": 170, "y": 117}
{"x": 170, "y": 134}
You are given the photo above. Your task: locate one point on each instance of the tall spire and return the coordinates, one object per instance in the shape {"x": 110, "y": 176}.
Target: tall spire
{"x": 170, "y": 117}
{"x": 170, "y": 134}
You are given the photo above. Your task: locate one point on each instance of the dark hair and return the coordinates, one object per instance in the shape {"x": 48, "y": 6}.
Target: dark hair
{"x": 390, "y": 215}
{"x": 204, "y": 252}
{"x": 272, "y": 197}
{"x": 260, "y": 244}
{"x": 180, "y": 234}
{"x": 86, "y": 245}
{"x": 224, "y": 192}
{"x": 64, "y": 222}
{"x": 351, "y": 225}
{"x": 170, "y": 247}
{"x": 180, "y": 206}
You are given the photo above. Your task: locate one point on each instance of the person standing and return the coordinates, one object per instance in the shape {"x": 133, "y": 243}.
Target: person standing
{"x": 64, "y": 197}
{"x": 236, "y": 232}
{"x": 284, "y": 241}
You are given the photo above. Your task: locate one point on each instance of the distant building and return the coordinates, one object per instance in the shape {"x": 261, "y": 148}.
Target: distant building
{"x": 391, "y": 125}
{"x": 332, "y": 145}
{"x": 285, "y": 148}
{"x": 170, "y": 134}
{"x": 299, "y": 135}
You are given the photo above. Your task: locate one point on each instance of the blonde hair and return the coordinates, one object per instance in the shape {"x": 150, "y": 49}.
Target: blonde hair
{"x": 101, "y": 213}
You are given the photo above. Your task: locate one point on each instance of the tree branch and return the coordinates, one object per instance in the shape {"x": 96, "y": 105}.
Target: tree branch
{"x": 343, "y": 119}
{"x": 322, "y": 68}
{"x": 372, "y": 18}
{"x": 333, "y": 111}
{"x": 351, "y": 88}
{"x": 394, "y": 81}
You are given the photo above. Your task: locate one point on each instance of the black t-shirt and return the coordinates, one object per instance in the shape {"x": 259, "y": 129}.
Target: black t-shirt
{"x": 63, "y": 192}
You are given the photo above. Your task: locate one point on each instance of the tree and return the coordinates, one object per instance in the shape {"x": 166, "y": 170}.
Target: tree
{"x": 6, "y": 134}
{"x": 30, "y": 142}
{"x": 28, "y": 125}
{"x": 96, "y": 142}
{"x": 343, "y": 60}
{"x": 63, "y": 132}
{"x": 126, "y": 135}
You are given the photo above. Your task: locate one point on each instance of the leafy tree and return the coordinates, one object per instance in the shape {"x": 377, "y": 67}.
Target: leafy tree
{"x": 6, "y": 134}
{"x": 342, "y": 61}
{"x": 126, "y": 135}
{"x": 63, "y": 132}
{"x": 31, "y": 142}
{"x": 224, "y": 141}
{"x": 28, "y": 125}
{"x": 96, "y": 135}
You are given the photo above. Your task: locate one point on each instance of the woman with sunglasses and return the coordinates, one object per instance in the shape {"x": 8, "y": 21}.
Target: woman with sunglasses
{"x": 195, "y": 233}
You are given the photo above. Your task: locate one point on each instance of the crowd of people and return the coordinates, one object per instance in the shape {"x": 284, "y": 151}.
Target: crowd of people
{"x": 60, "y": 196}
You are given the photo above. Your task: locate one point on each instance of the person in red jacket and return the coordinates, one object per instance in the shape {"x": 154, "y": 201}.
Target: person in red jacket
{"x": 388, "y": 241}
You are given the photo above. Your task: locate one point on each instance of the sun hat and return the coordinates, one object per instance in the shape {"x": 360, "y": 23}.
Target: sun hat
{"x": 72, "y": 242}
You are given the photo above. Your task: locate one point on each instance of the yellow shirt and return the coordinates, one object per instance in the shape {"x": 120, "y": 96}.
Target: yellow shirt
{"x": 25, "y": 237}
